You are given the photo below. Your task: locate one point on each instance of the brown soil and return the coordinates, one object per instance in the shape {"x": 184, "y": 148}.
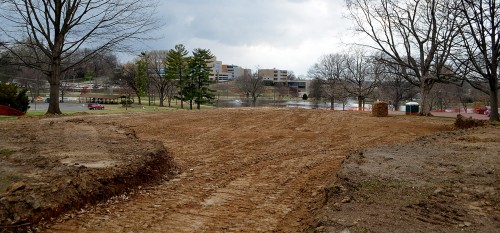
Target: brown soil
{"x": 447, "y": 182}
{"x": 250, "y": 170}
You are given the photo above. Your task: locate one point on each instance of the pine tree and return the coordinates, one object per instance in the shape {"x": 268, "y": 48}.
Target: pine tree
{"x": 199, "y": 78}
{"x": 141, "y": 79}
{"x": 176, "y": 69}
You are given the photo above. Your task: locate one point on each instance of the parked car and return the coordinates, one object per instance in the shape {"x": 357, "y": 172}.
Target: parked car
{"x": 95, "y": 106}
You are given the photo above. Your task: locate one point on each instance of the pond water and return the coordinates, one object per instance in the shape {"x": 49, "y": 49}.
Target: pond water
{"x": 351, "y": 105}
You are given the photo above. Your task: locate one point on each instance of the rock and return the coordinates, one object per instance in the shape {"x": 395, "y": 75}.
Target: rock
{"x": 346, "y": 199}
{"x": 16, "y": 187}
{"x": 465, "y": 224}
{"x": 438, "y": 191}
{"x": 346, "y": 230}
{"x": 337, "y": 207}
{"x": 320, "y": 229}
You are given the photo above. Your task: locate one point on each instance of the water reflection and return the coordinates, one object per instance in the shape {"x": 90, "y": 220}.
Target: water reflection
{"x": 351, "y": 105}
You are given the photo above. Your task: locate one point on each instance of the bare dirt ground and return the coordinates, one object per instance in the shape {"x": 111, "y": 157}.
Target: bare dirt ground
{"x": 446, "y": 182}
{"x": 233, "y": 170}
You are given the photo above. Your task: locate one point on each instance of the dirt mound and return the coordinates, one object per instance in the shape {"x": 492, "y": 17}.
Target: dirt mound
{"x": 243, "y": 170}
{"x": 465, "y": 123}
{"x": 447, "y": 182}
{"x": 51, "y": 165}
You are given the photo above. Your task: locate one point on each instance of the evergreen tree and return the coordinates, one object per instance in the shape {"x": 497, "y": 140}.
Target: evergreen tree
{"x": 176, "y": 69}
{"x": 141, "y": 79}
{"x": 199, "y": 78}
{"x": 12, "y": 97}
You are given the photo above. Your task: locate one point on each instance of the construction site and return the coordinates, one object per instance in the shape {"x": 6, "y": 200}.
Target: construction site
{"x": 248, "y": 170}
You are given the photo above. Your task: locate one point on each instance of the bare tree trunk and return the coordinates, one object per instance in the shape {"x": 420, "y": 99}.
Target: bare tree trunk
{"x": 360, "y": 103}
{"x": 54, "y": 98}
{"x": 182, "y": 101}
{"x": 332, "y": 103}
{"x": 425, "y": 108}
{"x": 162, "y": 98}
{"x": 395, "y": 105}
{"x": 62, "y": 96}
{"x": 494, "y": 103}
{"x": 55, "y": 82}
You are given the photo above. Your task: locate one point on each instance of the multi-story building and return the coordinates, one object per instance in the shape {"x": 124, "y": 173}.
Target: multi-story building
{"x": 222, "y": 73}
{"x": 273, "y": 75}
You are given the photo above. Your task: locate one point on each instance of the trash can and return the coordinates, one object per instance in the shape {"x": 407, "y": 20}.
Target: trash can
{"x": 412, "y": 108}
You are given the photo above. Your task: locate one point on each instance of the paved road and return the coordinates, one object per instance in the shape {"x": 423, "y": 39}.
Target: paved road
{"x": 63, "y": 106}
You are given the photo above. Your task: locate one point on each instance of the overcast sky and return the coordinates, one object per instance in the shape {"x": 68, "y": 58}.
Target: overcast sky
{"x": 282, "y": 34}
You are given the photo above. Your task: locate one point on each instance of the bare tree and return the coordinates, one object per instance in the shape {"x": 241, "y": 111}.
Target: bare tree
{"x": 479, "y": 56}
{"x": 291, "y": 76}
{"x": 54, "y": 30}
{"x": 330, "y": 70}
{"x": 396, "y": 89}
{"x": 251, "y": 84}
{"x": 316, "y": 91}
{"x": 126, "y": 77}
{"x": 362, "y": 75}
{"x": 160, "y": 80}
{"x": 416, "y": 35}
{"x": 281, "y": 88}
{"x": 99, "y": 65}
{"x": 30, "y": 79}
{"x": 7, "y": 71}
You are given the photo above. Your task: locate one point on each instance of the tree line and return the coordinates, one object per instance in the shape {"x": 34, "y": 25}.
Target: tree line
{"x": 358, "y": 74}
{"x": 433, "y": 42}
{"x": 47, "y": 35}
{"x": 171, "y": 74}
{"x": 424, "y": 42}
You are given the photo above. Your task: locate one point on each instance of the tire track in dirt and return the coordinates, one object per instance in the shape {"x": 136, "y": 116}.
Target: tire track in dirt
{"x": 250, "y": 170}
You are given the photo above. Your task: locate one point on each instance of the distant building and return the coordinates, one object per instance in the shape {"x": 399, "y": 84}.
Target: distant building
{"x": 222, "y": 73}
{"x": 273, "y": 75}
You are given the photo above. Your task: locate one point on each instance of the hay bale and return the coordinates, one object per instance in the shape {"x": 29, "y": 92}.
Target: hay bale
{"x": 380, "y": 109}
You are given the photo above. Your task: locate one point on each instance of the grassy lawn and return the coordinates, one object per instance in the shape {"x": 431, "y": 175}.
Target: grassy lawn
{"x": 114, "y": 109}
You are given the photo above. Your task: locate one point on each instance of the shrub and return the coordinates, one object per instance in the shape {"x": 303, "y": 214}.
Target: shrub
{"x": 304, "y": 97}
{"x": 10, "y": 96}
{"x": 126, "y": 102}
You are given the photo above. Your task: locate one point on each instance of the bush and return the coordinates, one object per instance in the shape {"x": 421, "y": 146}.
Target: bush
{"x": 304, "y": 97}
{"x": 10, "y": 96}
{"x": 126, "y": 102}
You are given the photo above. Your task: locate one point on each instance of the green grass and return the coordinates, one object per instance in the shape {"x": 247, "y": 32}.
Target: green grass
{"x": 6, "y": 152}
{"x": 119, "y": 109}
{"x": 7, "y": 118}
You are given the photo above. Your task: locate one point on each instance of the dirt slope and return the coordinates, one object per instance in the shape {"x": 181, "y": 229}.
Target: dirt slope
{"x": 448, "y": 182}
{"x": 52, "y": 165}
{"x": 246, "y": 170}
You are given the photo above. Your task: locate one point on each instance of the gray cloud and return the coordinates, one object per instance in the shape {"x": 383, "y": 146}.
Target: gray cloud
{"x": 244, "y": 27}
